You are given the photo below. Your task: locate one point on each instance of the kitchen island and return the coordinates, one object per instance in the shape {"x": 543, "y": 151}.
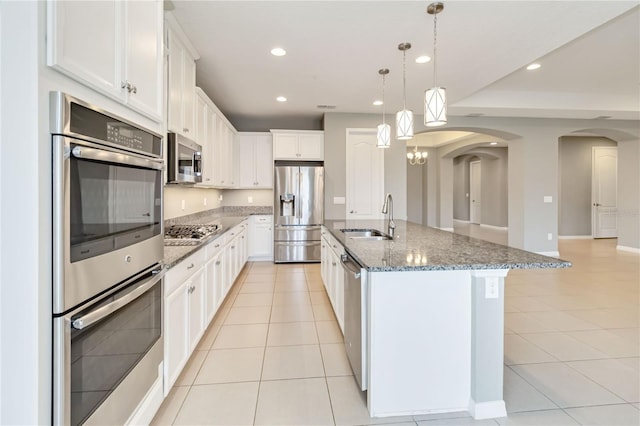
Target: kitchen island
{"x": 432, "y": 318}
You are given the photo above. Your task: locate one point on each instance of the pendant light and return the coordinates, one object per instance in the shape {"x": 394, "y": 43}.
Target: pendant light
{"x": 435, "y": 99}
{"x": 404, "y": 118}
{"x": 384, "y": 130}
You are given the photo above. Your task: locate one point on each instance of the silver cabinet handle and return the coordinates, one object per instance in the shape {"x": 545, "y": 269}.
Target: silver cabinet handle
{"x": 232, "y": 247}
{"x": 184, "y": 129}
{"x": 98, "y": 314}
{"x": 216, "y": 246}
{"x": 217, "y": 263}
{"x": 190, "y": 266}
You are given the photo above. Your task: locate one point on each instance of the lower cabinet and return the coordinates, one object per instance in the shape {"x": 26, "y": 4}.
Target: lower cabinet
{"x": 333, "y": 275}
{"x": 184, "y": 321}
{"x": 261, "y": 237}
{"x": 194, "y": 290}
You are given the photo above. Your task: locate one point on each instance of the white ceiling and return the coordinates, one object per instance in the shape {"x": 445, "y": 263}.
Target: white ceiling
{"x": 589, "y": 52}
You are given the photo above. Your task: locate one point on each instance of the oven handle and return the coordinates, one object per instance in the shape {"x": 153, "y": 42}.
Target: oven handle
{"x": 114, "y": 157}
{"x": 98, "y": 314}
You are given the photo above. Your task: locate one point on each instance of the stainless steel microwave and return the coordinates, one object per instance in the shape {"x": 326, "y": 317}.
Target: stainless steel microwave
{"x": 184, "y": 163}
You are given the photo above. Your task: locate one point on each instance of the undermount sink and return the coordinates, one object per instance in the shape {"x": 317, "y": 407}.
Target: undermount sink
{"x": 365, "y": 234}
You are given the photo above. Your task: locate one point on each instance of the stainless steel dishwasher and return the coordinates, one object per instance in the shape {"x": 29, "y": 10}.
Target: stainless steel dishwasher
{"x": 354, "y": 317}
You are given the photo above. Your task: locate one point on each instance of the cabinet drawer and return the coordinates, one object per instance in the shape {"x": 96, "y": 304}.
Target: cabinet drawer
{"x": 183, "y": 270}
{"x": 214, "y": 247}
{"x": 262, "y": 219}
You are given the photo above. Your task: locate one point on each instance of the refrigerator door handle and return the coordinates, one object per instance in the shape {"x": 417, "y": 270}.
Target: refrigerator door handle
{"x": 299, "y": 206}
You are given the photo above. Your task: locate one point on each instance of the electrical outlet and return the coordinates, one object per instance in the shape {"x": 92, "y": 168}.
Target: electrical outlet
{"x": 183, "y": 205}
{"x": 491, "y": 288}
{"x": 547, "y": 199}
{"x": 220, "y": 197}
{"x": 250, "y": 200}
{"x": 549, "y": 236}
{"x": 204, "y": 201}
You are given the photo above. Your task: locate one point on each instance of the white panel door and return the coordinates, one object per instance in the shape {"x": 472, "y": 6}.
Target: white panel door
{"x": 604, "y": 192}
{"x": 475, "y": 198}
{"x": 365, "y": 175}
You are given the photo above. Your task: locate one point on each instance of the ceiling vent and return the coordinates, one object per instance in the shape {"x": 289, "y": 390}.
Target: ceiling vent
{"x": 326, "y": 106}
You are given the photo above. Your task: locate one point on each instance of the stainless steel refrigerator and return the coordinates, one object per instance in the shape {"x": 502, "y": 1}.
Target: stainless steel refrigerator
{"x": 298, "y": 209}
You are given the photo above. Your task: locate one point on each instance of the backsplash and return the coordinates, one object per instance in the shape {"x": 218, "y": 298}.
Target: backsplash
{"x": 219, "y": 211}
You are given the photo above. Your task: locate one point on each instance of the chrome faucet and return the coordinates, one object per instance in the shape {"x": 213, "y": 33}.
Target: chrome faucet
{"x": 387, "y": 207}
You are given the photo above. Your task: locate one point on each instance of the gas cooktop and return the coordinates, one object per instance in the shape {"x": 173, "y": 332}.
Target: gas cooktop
{"x": 187, "y": 235}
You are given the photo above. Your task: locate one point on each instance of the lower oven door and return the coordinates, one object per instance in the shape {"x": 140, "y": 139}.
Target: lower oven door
{"x": 109, "y": 354}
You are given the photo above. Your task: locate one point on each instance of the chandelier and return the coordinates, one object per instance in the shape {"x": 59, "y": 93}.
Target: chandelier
{"x": 416, "y": 157}
{"x": 435, "y": 99}
{"x": 383, "y": 137}
{"x": 404, "y": 118}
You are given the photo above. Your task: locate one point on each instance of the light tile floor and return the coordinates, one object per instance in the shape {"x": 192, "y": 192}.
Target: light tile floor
{"x": 273, "y": 354}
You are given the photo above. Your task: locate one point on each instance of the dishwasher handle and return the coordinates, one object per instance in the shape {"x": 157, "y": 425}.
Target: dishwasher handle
{"x": 350, "y": 265}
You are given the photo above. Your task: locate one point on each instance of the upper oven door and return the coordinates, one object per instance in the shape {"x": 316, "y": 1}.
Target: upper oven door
{"x": 107, "y": 218}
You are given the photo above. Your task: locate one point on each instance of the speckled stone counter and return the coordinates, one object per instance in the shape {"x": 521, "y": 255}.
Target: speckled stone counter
{"x": 420, "y": 248}
{"x": 225, "y": 219}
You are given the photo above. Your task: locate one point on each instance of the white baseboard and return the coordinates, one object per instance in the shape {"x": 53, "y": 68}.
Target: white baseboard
{"x": 260, "y": 259}
{"x": 446, "y": 229}
{"x": 549, "y": 253}
{"x": 461, "y": 221}
{"x": 575, "y": 237}
{"x": 499, "y": 228}
{"x": 487, "y": 410}
{"x": 628, "y": 249}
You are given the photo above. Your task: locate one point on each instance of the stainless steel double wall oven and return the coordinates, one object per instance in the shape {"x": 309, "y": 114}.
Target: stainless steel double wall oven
{"x": 107, "y": 249}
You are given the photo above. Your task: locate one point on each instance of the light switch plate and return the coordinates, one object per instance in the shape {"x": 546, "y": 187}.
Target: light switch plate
{"x": 548, "y": 199}
{"x": 491, "y": 288}
{"x": 338, "y": 200}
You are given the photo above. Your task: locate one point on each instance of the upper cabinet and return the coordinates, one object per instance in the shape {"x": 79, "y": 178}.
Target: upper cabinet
{"x": 225, "y": 170}
{"x": 256, "y": 160}
{"x": 206, "y": 136}
{"x": 182, "y": 87}
{"x": 298, "y": 145}
{"x": 114, "y": 47}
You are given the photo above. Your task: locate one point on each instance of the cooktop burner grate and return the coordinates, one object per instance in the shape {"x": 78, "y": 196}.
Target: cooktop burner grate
{"x": 185, "y": 235}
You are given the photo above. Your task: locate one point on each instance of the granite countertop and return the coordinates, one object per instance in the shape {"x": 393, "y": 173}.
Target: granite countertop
{"x": 420, "y": 248}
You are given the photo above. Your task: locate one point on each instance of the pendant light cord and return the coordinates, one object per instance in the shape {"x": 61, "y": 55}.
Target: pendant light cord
{"x": 435, "y": 49}
{"x": 404, "y": 79}
{"x": 383, "y": 119}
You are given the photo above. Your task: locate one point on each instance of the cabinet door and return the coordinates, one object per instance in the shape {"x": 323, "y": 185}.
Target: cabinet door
{"x": 176, "y": 52}
{"x": 201, "y": 120}
{"x": 208, "y": 150}
{"x": 247, "y": 156}
{"x": 188, "y": 94}
{"x": 144, "y": 56}
{"x": 311, "y": 147}
{"x": 74, "y": 25}
{"x": 196, "y": 308}
{"x": 263, "y": 161}
{"x": 176, "y": 334}
{"x": 285, "y": 146}
{"x": 262, "y": 241}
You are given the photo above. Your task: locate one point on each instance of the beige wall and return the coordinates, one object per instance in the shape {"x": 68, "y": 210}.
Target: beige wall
{"x": 194, "y": 200}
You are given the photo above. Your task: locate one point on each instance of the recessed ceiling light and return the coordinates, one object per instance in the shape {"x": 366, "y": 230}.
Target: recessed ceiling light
{"x": 423, "y": 59}
{"x": 281, "y": 99}
{"x": 377, "y": 102}
{"x": 278, "y": 51}
{"x": 493, "y": 143}
{"x": 533, "y": 66}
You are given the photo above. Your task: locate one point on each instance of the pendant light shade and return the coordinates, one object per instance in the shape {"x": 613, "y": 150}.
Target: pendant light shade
{"x": 404, "y": 118}
{"x": 435, "y": 107}
{"x": 383, "y": 137}
{"x": 435, "y": 99}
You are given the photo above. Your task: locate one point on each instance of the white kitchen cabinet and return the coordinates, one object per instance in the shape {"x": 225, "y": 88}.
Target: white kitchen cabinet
{"x": 225, "y": 155}
{"x": 206, "y": 136}
{"x": 184, "y": 321}
{"x": 333, "y": 275}
{"x": 214, "y": 278}
{"x": 255, "y": 157}
{"x": 298, "y": 145}
{"x": 261, "y": 237}
{"x": 125, "y": 61}
{"x": 182, "y": 86}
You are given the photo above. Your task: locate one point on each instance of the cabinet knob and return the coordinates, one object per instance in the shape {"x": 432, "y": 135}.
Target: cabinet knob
{"x": 217, "y": 263}
{"x": 190, "y": 266}
{"x": 184, "y": 129}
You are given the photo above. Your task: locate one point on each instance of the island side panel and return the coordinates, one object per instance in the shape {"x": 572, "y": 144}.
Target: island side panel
{"x": 419, "y": 342}
{"x": 487, "y": 344}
